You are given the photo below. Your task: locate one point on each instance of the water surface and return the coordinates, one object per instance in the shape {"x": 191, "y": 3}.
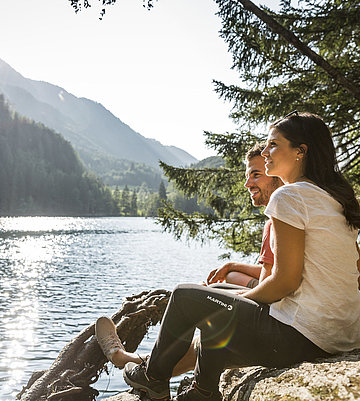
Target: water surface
{"x": 59, "y": 274}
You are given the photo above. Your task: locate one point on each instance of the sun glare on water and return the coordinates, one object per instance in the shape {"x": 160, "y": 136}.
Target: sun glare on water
{"x": 26, "y": 254}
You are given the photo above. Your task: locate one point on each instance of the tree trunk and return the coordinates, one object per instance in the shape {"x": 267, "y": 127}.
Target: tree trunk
{"x": 81, "y": 361}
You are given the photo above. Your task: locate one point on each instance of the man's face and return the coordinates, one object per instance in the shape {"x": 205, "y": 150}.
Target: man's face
{"x": 258, "y": 183}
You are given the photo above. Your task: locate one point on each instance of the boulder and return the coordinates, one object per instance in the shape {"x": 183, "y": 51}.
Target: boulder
{"x": 331, "y": 379}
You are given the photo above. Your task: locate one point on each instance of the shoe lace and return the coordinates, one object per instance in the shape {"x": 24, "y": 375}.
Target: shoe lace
{"x": 141, "y": 366}
{"x": 187, "y": 391}
{"x": 184, "y": 394}
{"x": 143, "y": 360}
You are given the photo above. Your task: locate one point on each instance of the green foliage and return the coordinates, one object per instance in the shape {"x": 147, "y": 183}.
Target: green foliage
{"x": 41, "y": 174}
{"x": 229, "y": 217}
{"x": 120, "y": 172}
{"x": 238, "y": 234}
{"x": 162, "y": 191}
{"x": 78, "y": 5}
{"x": 278, "y": 73}
{"x": 277, "y": 78}
{"x": 143, "y": 201}
{"x": 125, "y": 201}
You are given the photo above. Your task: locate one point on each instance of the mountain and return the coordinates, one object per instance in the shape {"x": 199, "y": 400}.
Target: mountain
{"x": 92, "y": 129}
{"x": 209, "y": 162}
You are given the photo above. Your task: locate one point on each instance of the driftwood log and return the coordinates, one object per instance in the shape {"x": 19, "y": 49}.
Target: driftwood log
{"x": 81, "y": 361}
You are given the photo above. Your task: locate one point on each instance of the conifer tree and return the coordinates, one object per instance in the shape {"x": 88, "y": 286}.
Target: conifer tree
{"x": 162, "y": 191}
{"x": 133, "y": 204}
{"x": 117, "y": 198}
{"x": 125, "y": 201}
{"x": 305, "y": 58}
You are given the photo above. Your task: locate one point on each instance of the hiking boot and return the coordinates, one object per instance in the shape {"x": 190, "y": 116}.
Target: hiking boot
{"x": 136, "y": 377}
{"x": 195, "y": 393}
{"x": 106, "y": 335}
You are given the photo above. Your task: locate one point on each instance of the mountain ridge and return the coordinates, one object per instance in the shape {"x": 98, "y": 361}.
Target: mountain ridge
{"x": 91, "y": 128}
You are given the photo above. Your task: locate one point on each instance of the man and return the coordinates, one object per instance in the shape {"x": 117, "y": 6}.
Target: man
{"x": 260, "y": 187}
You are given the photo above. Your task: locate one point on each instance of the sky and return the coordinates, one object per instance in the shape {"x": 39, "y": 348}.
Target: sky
{"x": 152, "y": 69}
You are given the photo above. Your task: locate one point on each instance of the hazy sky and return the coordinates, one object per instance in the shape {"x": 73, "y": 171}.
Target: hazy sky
{"x": 152, "y": 69}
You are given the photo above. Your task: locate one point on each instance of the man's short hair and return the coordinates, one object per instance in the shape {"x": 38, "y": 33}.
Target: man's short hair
{"x": 255, "y": 150}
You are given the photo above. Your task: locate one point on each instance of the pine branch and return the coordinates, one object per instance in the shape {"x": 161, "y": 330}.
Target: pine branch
{"x": 302, "y": 47}
{"x": 241, "y": 234}
{"x": 341, "y": 134}
{"x": 350, "y": 165}
{"x": 350, "y": 141}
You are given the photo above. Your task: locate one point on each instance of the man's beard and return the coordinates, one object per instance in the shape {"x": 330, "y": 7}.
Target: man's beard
{"x": 262, "y": 199}
{"x": 264, "y": 194}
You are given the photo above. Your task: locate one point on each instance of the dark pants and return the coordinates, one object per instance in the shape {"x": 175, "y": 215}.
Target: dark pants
{"x": 235, "y": 332}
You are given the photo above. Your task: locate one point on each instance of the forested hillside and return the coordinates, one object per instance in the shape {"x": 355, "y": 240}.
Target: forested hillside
{"x": 120, "y": 172}
{"x": 41, "y": 174}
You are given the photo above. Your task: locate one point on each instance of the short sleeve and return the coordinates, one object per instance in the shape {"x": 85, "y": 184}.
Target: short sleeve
{"x": 287, "y": 205}
{"x": 266, "y": 255}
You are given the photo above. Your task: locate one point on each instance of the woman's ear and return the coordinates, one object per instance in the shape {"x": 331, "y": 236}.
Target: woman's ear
{"x": 302, "y": 150}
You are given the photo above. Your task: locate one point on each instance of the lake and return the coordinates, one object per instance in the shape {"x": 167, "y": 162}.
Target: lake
{"x": 59, "y": 274}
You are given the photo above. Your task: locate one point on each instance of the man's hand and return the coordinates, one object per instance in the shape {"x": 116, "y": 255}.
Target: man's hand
{"x": 218, "y": 275}
{"x": 246, "y": 272}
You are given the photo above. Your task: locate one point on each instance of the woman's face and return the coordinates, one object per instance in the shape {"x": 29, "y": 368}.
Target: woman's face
{"x": 281, "y": 159}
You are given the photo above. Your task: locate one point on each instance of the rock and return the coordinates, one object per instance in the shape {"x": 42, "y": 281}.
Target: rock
{"x": 124, "y": 396}
{"x": 331, "y": 379}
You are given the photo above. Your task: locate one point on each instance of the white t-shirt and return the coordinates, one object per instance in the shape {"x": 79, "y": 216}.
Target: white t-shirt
{"x": 326, "y": 306}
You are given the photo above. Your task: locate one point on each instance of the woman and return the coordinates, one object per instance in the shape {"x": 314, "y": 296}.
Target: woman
{"x": 310, "y": 305}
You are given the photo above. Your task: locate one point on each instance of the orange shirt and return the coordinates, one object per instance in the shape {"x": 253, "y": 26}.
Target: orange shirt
{"x": 266, "y": 255}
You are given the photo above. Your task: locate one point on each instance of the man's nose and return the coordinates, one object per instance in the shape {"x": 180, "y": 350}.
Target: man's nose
{"x": 247, "y": 183}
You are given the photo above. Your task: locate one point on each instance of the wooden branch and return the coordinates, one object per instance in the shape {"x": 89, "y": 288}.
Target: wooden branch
{"x": 302, "y": 47}
{"x": 81, "y": 361}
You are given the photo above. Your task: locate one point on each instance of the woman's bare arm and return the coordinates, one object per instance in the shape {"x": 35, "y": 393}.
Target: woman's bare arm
{"x": 288, "y": 266}
{"x": 358, "y": 264}
{"x": 266, "y": 270}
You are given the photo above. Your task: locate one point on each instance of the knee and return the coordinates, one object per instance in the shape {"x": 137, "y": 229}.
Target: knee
{"x": 178, "y": 291}
{"x": 183, "y": 291}
{"x": 234, "y": 278}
